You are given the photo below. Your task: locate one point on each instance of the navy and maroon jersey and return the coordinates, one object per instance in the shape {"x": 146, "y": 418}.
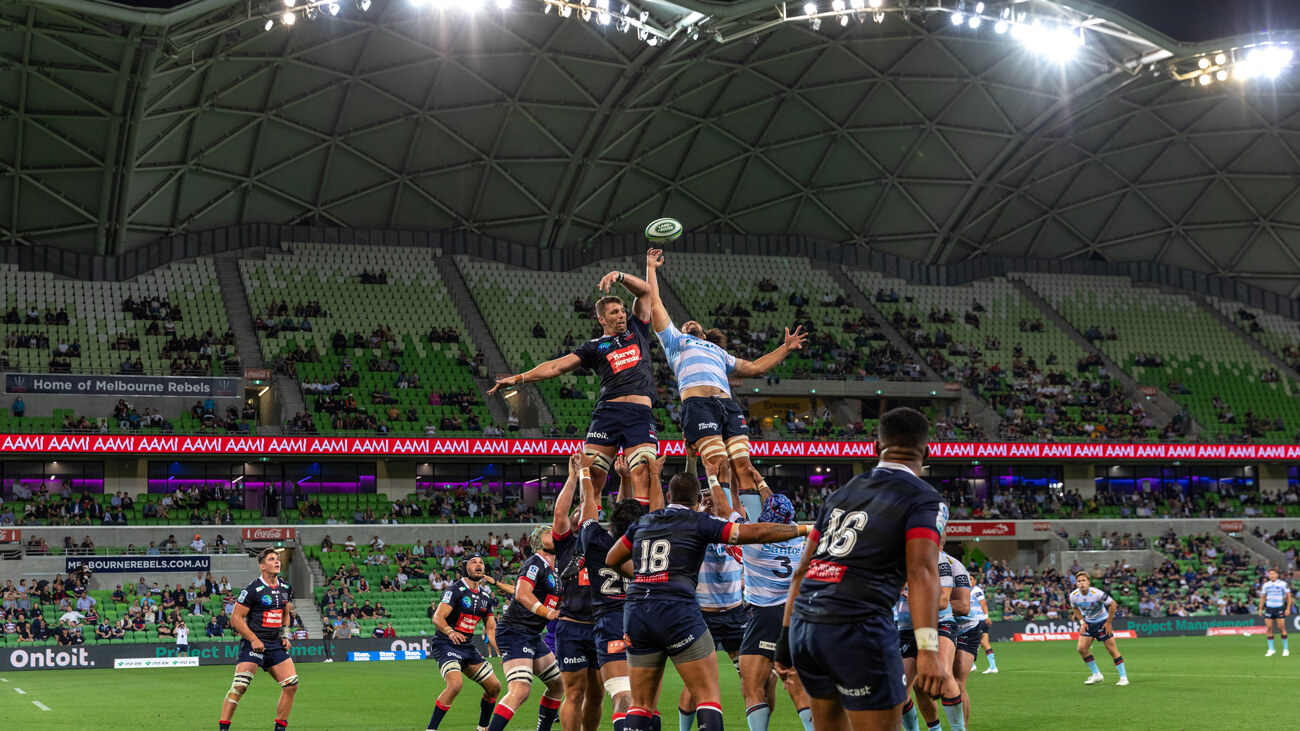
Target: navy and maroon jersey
{"x": 622, "y": 362}
{"x": 266, "y": 608}
{"x": 668, "y": 547}
{"x": 546, "y": 587}
{"x": 608, "y": 589}
{"x": 469, "y": 606}
{"x": 575, "y": 599}
{"x": 860, "y": 564}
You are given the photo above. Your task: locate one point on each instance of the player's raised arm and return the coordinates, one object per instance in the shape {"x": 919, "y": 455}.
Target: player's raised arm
{"x": 526, "y": 598}
{"x": 719, "y": 484}
{"x": 656, "y": 496}
{"x": 741, "y": 533}
{"x": 635, "y": 286}
{"x": 659, "y": 318}
{"x": 626, "y": 485}
{"x": 591, "y": 498}
{"x": 564, "y": 501}
{"x": 547, "y": 370}
{"x": 752, "y": 369}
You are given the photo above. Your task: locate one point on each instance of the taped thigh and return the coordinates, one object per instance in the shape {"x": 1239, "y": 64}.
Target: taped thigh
{"x": 482, "y": 674}
{"x": 238, "y": 687}
{"x": 642, "y": 455}
{"x": 621, "y": 684}
{"x": 711, "y": 449}
{"x": 522, "y": 674}
{"x": 599, "y": 461}
{"x": 451, "y": 666}
{"x": 738, "y": 447}
{"x": 550, "y": 674}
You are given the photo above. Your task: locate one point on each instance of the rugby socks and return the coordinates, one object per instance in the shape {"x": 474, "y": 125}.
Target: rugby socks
{"x": 992, "y": 663}
{"x": 910, "y": 721}
{"x": 501, "y": 716}
{"x": 637, "y": 719}
{"x": 485, "y": 706}
{"x": 710, "y": 717}
{"x": 1270, "y": 645}
{"x": 618, "y": 721}
{"x": 439, "y": 710}
{"x": 805, "y": 715}
{"x": 757, "y": 716}
{"x": 952, "y": 709}
{"x": 685, "y": 720}
{"x": 1284, "y": 647}
{"x": 281, "y": 724}
{"x": 1092, "y": 665}
{"x": 1119, "y": 666}
{"x": 223, "y": 725}
{"x": 547, "y": 711}
{"x": 936, "y": 726}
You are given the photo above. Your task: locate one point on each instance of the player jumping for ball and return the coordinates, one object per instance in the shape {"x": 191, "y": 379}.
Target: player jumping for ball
{"x": 1275, "y": 605}
{"x": 621, "y": 359}
{"x": 260, "y": 619}
{"x": 463, "y": 606}
{"x": 1094, "y": 609}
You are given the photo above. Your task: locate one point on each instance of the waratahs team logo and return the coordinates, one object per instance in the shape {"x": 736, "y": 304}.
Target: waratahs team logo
{"x": 267, "y": 600}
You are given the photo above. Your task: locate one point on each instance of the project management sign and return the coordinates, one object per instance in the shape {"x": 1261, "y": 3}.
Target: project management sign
{"x": 76, "y": 385}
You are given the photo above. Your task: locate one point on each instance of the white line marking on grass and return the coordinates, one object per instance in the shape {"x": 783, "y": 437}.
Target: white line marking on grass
{"x": 6, "y": 680}
{"x": 1163, "y": 675}
{"x": 40, "y": 705}
{"x": 21, "y": 691}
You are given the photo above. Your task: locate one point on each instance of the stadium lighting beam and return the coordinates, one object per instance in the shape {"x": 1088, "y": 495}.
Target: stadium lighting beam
{"x": 1265, "y": 62}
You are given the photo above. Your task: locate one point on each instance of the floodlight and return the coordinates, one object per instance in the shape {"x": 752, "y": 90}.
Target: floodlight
{"x": 974, "y": 21}
{"x": 958, "y": 19}
{"x": 334, "y": 8}
{"x": 269, "y": 24}
{"x": 1203, "y": 63}
{"x": 288, "y": 18}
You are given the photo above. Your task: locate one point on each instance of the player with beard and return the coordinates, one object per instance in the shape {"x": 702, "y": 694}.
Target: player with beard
{"x": 259, "y": 618}
{"x": 662, "y": 553}
{"x": 519, "y": 636}
{"x": 621, "y": 359}
{"x": 463, "y": 606}
{"x": 574, "y": 630}
{"x": 608, "y": 588}
{"x": 712, "y": 423}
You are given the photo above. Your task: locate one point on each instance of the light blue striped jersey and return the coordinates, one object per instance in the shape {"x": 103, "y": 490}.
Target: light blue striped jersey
{"x": 1093, "y": 605}
{"x": 1275, "y": 593}
{"x": 976, "y": 609}
{"x": 961, "y": 580}
{"x": 768, "y": 568}
{"x": 946, "y": 579}
{"x": 902, "y": 612}
{"x": 721, "y": 577}
{"x": 696, "y": 362}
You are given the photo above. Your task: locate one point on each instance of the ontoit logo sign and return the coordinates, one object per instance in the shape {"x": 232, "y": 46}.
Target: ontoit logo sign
{"x": 20, "y": 659}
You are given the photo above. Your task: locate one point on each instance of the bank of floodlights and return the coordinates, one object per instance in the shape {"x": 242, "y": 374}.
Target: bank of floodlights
{"x": 292, "y": 10}
{"x": 1262, "y": 63}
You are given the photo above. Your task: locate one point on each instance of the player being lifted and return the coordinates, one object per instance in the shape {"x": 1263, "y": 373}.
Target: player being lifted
{"x": 1275, "y": 605}
{"x": 519, "y": 636}
{"x": 1094, "y": 609}
{"x": 712, "y": 423}
{"x": 662, "y": 553}
{"x": 621, "y": 359}
{"x": 573, "y": 632}
{"x": 463, "y": 606}
{"x": 872, "y": 534}
{"x": 260, "y": 618}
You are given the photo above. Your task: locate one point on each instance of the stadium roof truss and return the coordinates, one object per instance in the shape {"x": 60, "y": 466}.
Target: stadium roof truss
{"x": 899, "y": 129}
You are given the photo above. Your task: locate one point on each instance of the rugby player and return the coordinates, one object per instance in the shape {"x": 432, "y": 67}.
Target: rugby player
{"x": 712, "y": 423}
{"x": 463, "y": 606}
{"x": 967, "y": 631}
{"x": 662, "y": 553}
{"x": 259, "y": 618}
{"x": 1275, "y": 605}
{"x": 609, "y": 590}
{"x": 1094, "y": 610}
{"x": 575, "y": 644}
{"x": 621, "y": 359}
{"x": 979, "y": 607}
{"x": 519, "y": 637}
{"x": 840, "y": 639}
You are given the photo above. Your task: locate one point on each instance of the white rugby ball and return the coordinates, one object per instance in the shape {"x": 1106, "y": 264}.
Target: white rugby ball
{"x": 663, "y": 231}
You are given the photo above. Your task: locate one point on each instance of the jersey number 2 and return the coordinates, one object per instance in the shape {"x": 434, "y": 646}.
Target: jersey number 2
{"x": 842, "y": 532}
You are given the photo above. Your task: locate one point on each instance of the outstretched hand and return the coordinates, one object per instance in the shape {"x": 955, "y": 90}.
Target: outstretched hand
{"x": 506, "y": 382}
{"x": 795, "y": 340}
{"x": 654, "y": 258}
{"x": 621, "y": 468}
{"x": 607, "y": 281}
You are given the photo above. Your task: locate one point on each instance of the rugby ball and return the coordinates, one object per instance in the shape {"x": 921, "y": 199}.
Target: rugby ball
{"x": 663, "y": 231}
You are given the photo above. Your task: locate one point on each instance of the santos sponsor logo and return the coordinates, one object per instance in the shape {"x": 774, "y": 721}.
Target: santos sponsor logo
{"x": 19, "y": 659}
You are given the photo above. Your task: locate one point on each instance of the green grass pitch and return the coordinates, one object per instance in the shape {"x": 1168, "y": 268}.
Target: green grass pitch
{"x": 1218, "y": 683}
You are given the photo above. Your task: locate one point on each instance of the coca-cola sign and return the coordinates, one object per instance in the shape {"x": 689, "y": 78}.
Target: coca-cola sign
{"x": 981, "y": 529}
{"x": 1231, "y": 526}
{"x": 9, "y": 535}
{"x": 270, "y": 533}
{"x": 1042, "y": 525}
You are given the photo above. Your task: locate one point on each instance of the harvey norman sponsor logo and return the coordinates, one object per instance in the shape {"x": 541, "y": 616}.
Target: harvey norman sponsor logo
{"x": 138, "y": 663}
{"x": 1123, "y": 634}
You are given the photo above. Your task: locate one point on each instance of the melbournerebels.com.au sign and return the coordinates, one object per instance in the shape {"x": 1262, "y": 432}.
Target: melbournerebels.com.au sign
{"x": 132, "y": 564}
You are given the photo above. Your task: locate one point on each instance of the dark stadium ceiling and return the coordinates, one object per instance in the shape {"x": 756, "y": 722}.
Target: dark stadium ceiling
{"x": 912, "y": 135}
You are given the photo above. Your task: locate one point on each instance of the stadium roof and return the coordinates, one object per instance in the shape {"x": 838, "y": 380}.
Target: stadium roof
{"x": 903, "y": 131}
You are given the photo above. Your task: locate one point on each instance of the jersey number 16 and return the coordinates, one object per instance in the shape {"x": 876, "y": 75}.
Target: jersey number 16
{"x": 841, "y": 532}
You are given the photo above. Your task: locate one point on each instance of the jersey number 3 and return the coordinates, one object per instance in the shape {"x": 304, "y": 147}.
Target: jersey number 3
{"x": 842, "y": 532}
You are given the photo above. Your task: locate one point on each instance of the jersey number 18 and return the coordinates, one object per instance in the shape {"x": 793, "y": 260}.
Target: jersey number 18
{"x": 654, "y": 556}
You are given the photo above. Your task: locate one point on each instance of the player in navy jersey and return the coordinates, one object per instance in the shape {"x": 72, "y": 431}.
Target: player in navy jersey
{"x": 621, "y": 359}
{"x": 574, "y": 630}
{"x": 712, "y": 423}
{"x": 874, "y": 533}
{"x": 519, "y": 637}
{"x": 608, "y": 588}
{"x": 260, "y": 618}
{"x": 662, "y": 553}
{"x": 463, "y": 606}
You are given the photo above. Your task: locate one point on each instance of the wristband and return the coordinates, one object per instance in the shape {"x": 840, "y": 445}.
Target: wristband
{"x": 783, "y": 655}
{"x": 534, "y": 607}
{"x": 713, "y": 481}
{"x": 584, "y": 474}
{"x": 927, "y": 638}
{"x": 804, "y": 529}
{"x": 621, "y": 276}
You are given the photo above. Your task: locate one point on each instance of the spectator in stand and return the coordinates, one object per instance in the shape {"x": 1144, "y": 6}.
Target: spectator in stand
{"x": 197, "y": 545}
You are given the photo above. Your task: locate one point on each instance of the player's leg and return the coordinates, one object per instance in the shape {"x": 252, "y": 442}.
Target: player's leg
{"x": 453, "y": 680}
{"x": 284, "y": 674}
{"x": 575, "y": 687}
{"x": 829, "y": 715}
{"x": 491, "y": 685}
{"x": 639, "y": 458}
{"x": 952, "y": 704}
{"x": 699, "y": 671}
{"x": 907, "y": 647}
{"x": 601, "y": 458}
{"x": 961, "y": 669}
{"x": 1085, "y": 651}
{"x": 243, "y": 676}
{"x": 547, "y": 670}
{"x": 593, "y": 708}
{"x": 755, "y": 671}
{"x": 645, "y": 675}
{"x": 685, "y": 710}
{"x": 519, "y": 683}
{"x": 802, "y": 703}
{"x": 1281, "y": 627}
{"x": 885, "y": 720}
{"x": 614, "y": 675}
{"x": 987, "y": 647}
{"x": 1113, "y": 649}
{"x": 736, "y": 434}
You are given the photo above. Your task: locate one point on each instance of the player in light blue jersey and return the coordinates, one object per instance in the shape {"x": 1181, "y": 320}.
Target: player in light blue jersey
{"x": 967, "y": 632}
{"x": 952, "y": 602}
{"x": 1275, "y": 605}
{"x": 1094, "y": 609}
{"x": 979, "y": 606}
{"x": 712, "y": 423}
